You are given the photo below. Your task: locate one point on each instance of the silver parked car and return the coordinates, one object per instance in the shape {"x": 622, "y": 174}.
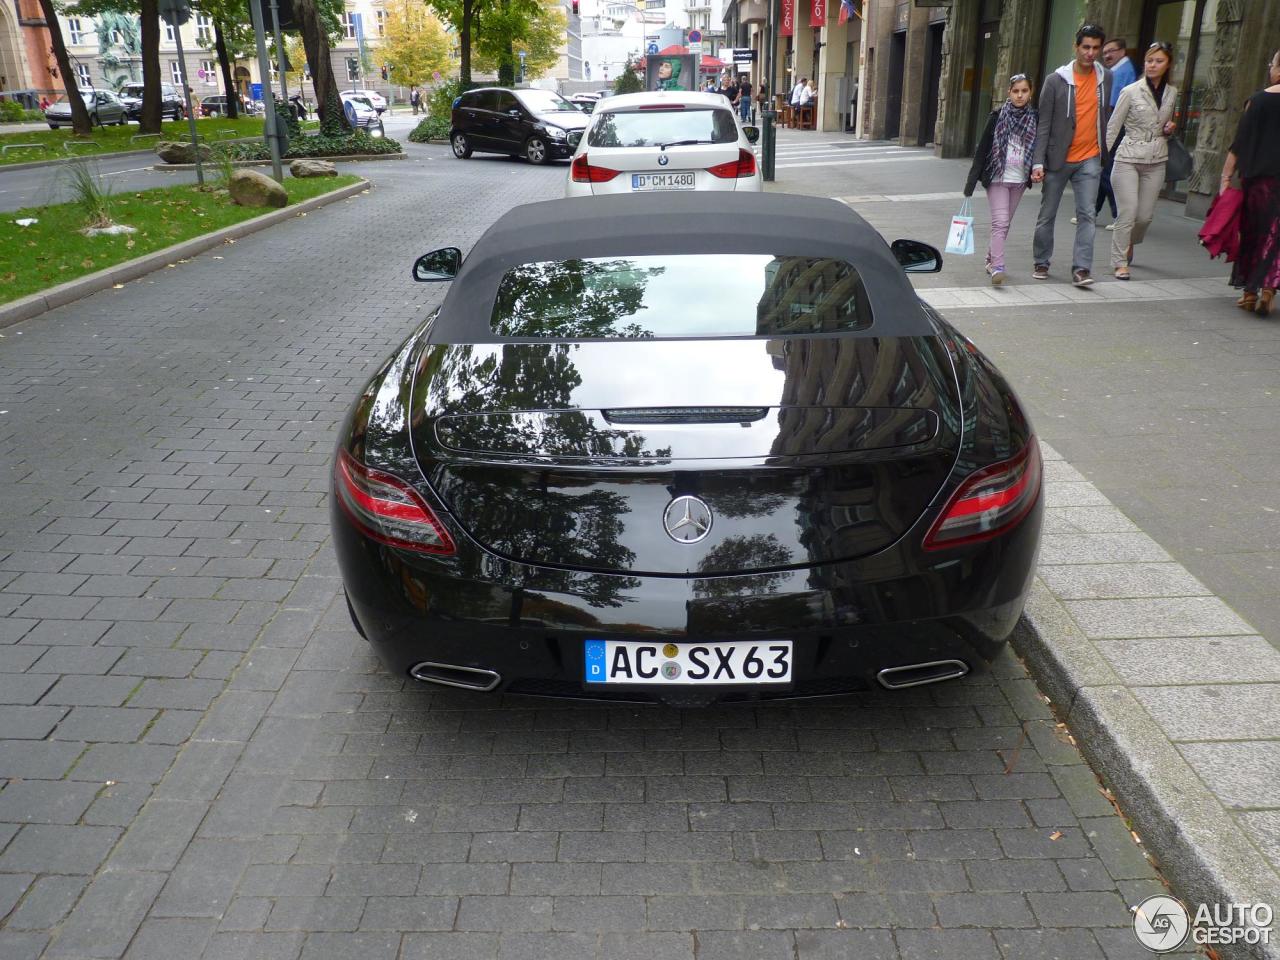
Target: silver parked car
{"x": 104, "y": 108}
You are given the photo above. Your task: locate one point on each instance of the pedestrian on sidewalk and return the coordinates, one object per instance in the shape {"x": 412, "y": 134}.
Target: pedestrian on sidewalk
{"x": 415, "y": 100}
{"x": 744, "y": 99}
{"x": 1115, "y": 57}
{"x": 1145, "y": 112}
{"x": 1255, "y": 153}
{"x": 1070, "y": 148}
{"x": 1003, "y": 164}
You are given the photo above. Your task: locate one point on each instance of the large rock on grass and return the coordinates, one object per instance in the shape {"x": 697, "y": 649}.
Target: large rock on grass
{"x": 174, "y": 151}
{"x": 249, "y": 188}
{"x": 313, "y": 168}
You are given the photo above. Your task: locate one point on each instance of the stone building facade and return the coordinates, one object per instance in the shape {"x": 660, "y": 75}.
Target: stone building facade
{"x": 972, "y": 47}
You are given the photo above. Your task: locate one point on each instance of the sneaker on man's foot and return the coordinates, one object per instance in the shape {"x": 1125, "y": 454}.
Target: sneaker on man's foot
{"x": 1075, "y": 219}
{"x": 1109, "y": 226}
{"x": 997, "y": 277}
{"x": 1081, "y": 278}
{"x": 1041, "y": 272}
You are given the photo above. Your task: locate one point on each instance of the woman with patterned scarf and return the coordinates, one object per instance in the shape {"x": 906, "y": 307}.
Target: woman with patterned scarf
{"x": 1003, "y": 163}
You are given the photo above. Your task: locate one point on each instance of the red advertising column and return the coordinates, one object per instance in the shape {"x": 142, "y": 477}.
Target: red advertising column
{"x": 818, "y": 13}
{"x": 787, "y": 26}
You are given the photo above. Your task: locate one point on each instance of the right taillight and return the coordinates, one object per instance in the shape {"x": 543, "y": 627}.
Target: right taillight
{"x": 581, "y": 171}
{"x": 744, "y": 166}
{"x": 387, "y": 509}
{"x": 989, "y": 502}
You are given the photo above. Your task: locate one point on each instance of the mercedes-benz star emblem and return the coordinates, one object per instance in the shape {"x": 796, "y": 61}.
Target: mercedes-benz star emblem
{"x": 663, "y": 159}
{"x": 687, "y": 519}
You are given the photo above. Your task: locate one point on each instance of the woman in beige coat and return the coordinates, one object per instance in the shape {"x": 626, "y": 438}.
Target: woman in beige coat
{"x": 1145, "y": 112}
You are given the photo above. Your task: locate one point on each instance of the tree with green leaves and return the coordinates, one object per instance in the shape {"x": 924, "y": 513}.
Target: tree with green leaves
{"x": 232, "y": 41}
{"x": 79, "y": 113}
{"x": 507, "y": 27}
{"x": 413, "y": 42}
{"x": 462, "y": 15}
{"x": 628, "y": 80}
{"x": 148, "y": 14}
{"x": 318, "y": 21}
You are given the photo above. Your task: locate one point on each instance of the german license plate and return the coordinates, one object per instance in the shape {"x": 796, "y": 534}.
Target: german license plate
{"x": 628, "y": 661}
{"x": 662, "y": 181}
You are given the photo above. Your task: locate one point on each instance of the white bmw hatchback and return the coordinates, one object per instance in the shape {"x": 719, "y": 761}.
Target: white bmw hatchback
{"x": 664, "y": 141}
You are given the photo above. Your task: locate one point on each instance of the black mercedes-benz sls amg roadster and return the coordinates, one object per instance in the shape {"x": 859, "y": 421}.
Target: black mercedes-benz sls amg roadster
{"x": 685, "y": 449}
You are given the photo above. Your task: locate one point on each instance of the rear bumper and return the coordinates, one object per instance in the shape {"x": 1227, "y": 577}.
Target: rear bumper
{"x": 848, "y": 621}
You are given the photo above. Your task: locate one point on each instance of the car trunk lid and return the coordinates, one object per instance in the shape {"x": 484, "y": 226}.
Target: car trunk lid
{"x": 803, "y": 450}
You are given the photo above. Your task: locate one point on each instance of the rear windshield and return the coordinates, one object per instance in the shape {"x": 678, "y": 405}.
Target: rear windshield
{"x": 648, "y": 128}
{"x": 694, "y": 295}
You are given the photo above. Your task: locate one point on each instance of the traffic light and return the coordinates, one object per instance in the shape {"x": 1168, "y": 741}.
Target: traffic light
{"x": 575, "y": 7}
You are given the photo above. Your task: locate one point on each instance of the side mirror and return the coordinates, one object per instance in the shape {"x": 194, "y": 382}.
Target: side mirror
{"x": 437, "y": 265}
{"x": 514, "y": 112}
{"x": 753, "y": 134}
{"x": 916, "y": 257}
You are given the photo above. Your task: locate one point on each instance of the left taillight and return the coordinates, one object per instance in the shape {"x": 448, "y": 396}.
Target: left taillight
{"x": 744, "y": 166}
{"x": 990, "y": 502}
{"x": 387, "y": 509}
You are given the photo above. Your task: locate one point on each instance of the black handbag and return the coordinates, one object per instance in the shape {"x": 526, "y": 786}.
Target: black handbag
{"x": 1179, "y": 166}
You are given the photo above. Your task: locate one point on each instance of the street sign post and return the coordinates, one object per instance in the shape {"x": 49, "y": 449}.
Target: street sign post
{"x": 651, "y": 49}
{"x": 176, "y": 13}
{"x": 272, "y": 122}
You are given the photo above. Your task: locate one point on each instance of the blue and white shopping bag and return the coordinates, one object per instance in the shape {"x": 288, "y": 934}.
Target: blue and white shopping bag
{"x": 960, "y": 237}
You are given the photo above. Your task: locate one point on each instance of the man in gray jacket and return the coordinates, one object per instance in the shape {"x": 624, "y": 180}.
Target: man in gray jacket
{"x": 1071, "y": 148}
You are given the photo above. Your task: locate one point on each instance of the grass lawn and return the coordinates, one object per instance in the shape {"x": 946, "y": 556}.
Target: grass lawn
{"x": 54, "y": 251}
{"x": 116, "y": 139}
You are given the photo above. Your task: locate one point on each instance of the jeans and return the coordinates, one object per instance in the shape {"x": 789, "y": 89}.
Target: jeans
{"x": 1083, "y": 177}
{"x": 1137, "y": 189}
{"x": 744, "y": 109}
{"x": 1003, "y": 199}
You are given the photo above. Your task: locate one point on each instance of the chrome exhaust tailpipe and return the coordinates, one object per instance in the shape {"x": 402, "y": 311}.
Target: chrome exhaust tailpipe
{"x": 918, "y": 674}
{"x": 451, "y": 675}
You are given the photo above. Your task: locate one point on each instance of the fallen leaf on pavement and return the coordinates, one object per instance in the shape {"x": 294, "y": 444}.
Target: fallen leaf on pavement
{"x": 1056, "y": 835}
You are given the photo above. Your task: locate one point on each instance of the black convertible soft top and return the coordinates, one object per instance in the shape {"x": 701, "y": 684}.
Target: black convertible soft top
{"x": 683, "y": 222}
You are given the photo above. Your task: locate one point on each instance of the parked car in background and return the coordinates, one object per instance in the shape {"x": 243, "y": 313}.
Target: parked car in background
{"x": 104, "y": 107}
{"x": 215, "y": 106}
{"x": 363, "y": 115}
{"x": 663, "y": 141}
{"x": 539, "y": 125}
{"x": 172, "y": 106}
{"x": 373, "y": 96}
{"x": 585, "y": 102}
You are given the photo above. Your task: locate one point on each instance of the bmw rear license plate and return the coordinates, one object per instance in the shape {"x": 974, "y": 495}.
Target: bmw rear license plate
{"x": 662, "y": 181}
{"x": 629, "y": 661}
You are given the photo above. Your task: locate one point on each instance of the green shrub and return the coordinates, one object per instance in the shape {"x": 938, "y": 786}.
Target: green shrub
{"x": 628, "y": 80}
{"x": 11, "y": 111}
{"x": 432, "y": 128}
{"x": 319, "y": 146}
{"x": 440, "y": 103}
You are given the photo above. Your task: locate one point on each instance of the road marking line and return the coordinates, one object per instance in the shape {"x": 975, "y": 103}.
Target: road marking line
{"x": 844, "y": 163}
{"x": 899, "y": 197}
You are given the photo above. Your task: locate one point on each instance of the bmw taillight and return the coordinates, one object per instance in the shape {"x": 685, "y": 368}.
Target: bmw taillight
{"x": 387, "y": 509}
{"x": 744, "y": 166}
{"x": 583, "y": 172}
{"x": 990, "y": 501}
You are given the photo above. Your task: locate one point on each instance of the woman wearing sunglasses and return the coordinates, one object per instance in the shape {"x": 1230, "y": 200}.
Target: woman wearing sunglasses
{"x": 1145, "y": 112}
{"x": 1255, "y": 153}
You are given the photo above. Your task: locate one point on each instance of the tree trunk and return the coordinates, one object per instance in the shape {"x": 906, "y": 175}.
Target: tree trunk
{"x": 80, "y": 125}
{"x": 464, "y": 46}
{"x": 316, "y": 42}
{"x": 224, "y": 62}
{"x": 149, "y": 17}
